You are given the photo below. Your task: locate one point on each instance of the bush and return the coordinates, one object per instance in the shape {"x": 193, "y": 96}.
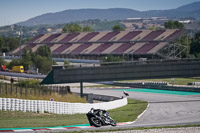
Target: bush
{"x": 43, "y": 64}
{"x": 28, "y": 83}
{"x": 111, "y": 58}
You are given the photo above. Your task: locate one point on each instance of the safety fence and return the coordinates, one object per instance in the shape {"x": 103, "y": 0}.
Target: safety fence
{"x": 41, "y": 106}
{"x": 7, "y": 90}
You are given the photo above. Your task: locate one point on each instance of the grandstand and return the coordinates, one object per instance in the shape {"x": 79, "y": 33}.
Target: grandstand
{"x": 130, "y": 44}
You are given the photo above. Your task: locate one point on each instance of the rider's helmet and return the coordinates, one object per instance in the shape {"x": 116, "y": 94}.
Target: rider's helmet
{"x": 92, "y": 110}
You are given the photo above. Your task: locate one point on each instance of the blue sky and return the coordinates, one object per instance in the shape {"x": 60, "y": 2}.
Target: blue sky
{"x": 13, "y": 11}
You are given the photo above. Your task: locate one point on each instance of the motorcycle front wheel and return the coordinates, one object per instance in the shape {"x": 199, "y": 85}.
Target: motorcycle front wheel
{"x": 95, "y": 121}
{"x": 113, "y": 123}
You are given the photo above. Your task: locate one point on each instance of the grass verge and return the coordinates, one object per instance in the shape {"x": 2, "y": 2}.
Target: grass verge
{"x": 73, "y": 98}
{"x": 10, "y": 119}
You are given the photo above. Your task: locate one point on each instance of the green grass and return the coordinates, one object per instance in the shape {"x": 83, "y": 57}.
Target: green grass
{"x": 29, "y": 119}
{"x": 177, "y": 81}
{"x": 20, "y": 119}
{"x": 129, "y": 112}
{"x": 73, "y": 98}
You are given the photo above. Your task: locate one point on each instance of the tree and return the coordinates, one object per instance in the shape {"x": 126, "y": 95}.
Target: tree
{"x": 2, "y": 43}
{"x": 66, "y": 63}
{"x": 152, "y": 28}
{"x": 195, "y": 45}
{"x": 72, "y": 28}
{"x": 12, "y": 43}
{"x": 186, "y": 42}
{"x": 118, "y": 28}
{"x": 2, "y": 61}
{"x": 26, "y": 60}
{"x": 43, "y": 64}
{"x": 44, "y": 51}
{"x": 15, "y": 62}
{"x": 197, "y": 37}
{"x": 86, "y": 29}
{"x": 173, "y": 25}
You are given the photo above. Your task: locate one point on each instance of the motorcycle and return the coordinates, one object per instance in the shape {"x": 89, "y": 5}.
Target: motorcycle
{"x": 98, "y": 118}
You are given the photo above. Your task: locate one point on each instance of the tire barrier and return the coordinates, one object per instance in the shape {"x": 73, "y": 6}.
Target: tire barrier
{"x": 160, "y": 87}
{"x": 194, "y": 83}
{"x": 142, "y": 83}
{"x": 41, "y": 106}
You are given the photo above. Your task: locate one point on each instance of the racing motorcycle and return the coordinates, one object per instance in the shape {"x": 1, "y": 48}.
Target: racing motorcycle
{"x": 98, "y": 118}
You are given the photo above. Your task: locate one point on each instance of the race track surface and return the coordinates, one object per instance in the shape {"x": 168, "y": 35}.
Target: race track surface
{"x": 164, "y": 108}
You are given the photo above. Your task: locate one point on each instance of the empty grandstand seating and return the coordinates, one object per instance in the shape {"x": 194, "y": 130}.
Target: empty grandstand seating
{"x": 61, "y": 48}
{"x": 112, "y": 48}
{"x": 91, "y": 48}
{"x": 101, "y": 48}
{"x": 18, "y": 52}
{"x": 88, "y": 37}
{"x": 81, "y": 35}
{"x": 50, "y": 38}
{"x": 144, "y": 49}
{"x": 55, "y": 46}
{"x": 69, "y": 37}
{"x": 96, "y": 43}
{"x": 133, "y": 48}
{"x": 174, "y": 35}
{"x": 79, "y": 49}
{"x": 130, "y": 35}
{"x": 42, "y": 38}
{"x": 108, "y": 36}
{"x": 151, "y": 36}
{"x": 70, "y": 49}
{"x": 157, "y": 48}
{"x": 34, "y": 49}
{"x": 165, "y": 34}
{"x": 59, "y": 38}
{"x": 30, "y": 46}
{"x": 18, "y": 49}
{"x": 35, "y": 38}
{"x": 122, "y": 48}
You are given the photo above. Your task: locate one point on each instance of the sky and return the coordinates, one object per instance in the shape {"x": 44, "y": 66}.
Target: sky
{"x": 13, "y": 11}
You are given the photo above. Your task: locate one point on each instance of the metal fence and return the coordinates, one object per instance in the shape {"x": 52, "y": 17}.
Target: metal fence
{"x": 14, "y": 90}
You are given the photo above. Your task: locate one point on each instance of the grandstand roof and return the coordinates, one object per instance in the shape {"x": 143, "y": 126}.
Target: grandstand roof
{"x": 97, "y": 43}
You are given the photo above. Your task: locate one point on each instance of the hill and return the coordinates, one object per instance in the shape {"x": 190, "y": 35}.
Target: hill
{"x": 190, "y": 10}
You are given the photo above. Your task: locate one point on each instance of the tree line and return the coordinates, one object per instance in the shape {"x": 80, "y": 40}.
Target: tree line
{"x": 41, "y": 59}
{"x": 73, "y": 28}
{"x": 8, "y": 44}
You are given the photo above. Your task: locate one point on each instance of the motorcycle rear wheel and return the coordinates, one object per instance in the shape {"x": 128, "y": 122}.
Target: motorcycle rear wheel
{"x": 96, "y": 121}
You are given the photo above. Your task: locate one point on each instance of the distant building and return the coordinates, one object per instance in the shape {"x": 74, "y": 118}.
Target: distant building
{"x": 185, "y": 21}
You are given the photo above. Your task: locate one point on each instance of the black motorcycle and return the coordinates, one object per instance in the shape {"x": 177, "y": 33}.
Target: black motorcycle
{"x": 98, "y": 118}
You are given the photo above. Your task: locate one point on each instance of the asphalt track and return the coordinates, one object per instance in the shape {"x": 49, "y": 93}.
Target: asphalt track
{"x": 165, "y": 108}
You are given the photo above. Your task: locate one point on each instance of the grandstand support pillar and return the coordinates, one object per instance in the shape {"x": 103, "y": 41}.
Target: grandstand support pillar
{"x": 174, "y": 49}
{"x": 81, "y": 89}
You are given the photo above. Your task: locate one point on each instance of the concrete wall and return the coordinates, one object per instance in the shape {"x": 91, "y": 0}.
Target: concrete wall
{"x": 41, "y": 106}
{"x": 128, "y": 71}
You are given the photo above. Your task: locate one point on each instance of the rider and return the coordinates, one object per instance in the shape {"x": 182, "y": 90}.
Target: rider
{"x": 101, "y": 113}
